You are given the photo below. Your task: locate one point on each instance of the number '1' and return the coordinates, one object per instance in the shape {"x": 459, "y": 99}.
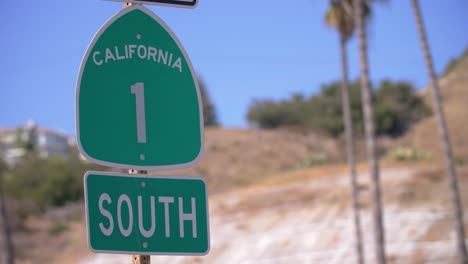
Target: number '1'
{"x": 138, "y": 89}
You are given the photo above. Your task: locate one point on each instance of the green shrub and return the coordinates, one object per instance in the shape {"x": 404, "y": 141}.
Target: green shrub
{"x": 397, "y": 107}
{"x": 57, "y": 227}
{"x": 408, "y": 154}
{"x": 461, "y": 161}
{"x": 39, "y": 183}
{"x": 314, "y": 159}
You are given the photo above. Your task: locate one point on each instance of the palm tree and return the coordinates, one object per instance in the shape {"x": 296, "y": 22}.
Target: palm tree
{"x": 8, "y": 243}
{"x": 339, "y": 16}
{"x": 370, "y": 135}
{"x": 444, "y": 136}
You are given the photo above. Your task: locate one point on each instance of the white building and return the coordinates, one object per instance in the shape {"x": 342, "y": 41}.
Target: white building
{"x": 14, "y": 142}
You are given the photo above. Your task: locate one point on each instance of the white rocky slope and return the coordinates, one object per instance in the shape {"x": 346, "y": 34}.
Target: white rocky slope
{"x": 310, "y": 221}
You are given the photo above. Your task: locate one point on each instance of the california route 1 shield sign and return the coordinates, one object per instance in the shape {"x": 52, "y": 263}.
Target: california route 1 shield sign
{"x": 138, "y": 104}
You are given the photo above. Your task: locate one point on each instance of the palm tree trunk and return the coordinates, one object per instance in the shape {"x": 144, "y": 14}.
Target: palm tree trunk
{"x": 350, "y": 149}
{"x": 444, "y": 136}
{"x": 8, "y": 243}
{"x": 370, "y": 137}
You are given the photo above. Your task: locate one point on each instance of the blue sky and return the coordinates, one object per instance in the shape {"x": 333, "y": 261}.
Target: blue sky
{"x": 242, "y": 50}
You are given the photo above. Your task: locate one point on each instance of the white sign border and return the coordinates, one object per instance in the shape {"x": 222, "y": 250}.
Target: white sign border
{"x": 189, "y": 63}
{"x": 145, "y": 176}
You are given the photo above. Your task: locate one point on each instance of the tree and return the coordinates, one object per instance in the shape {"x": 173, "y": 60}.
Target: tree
{"x": 326, "y": 109}
{"x": 342, "y": 21}
{"x": 453, "y": 63}
{"x": 209, "y": 112}
{"x": 270, "y": 114}
{"x": 444, "y": 136}
{"x": 397, "y": 107}
{"x": 45, "y": 182}
{"x": 6, "y": 227}
{"x": 369, "y": 125}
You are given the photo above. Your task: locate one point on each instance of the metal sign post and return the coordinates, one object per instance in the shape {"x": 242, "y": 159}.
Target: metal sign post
{"x": 139, "y": 259}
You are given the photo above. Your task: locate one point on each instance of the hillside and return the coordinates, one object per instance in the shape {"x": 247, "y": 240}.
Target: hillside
{"x": 237, "y": 157}
{"x": 454, "y": 89}
{"x": 232, "y": 159}
{"x": 298, "y": 217}
{"x": 271, "y": 203}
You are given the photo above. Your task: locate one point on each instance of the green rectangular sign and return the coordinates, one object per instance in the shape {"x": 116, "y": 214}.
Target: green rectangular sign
{"x": 146, "y": 215}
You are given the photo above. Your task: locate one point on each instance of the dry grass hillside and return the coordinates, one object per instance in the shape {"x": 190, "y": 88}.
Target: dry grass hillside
{"x": 237, "y": 157}
{"x": 270, "y": 203}
{"x": 232, "y": 159}
{"x": 297, "y": 217}
{"x": 424, "y": 136}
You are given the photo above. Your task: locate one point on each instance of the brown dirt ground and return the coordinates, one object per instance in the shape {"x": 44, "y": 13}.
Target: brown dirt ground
{"x": 424, "y": 135}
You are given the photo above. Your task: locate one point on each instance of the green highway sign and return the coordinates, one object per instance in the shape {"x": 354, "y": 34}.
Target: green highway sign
{"x": 138, "y": 104}
{"x": 141, "y": 214}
